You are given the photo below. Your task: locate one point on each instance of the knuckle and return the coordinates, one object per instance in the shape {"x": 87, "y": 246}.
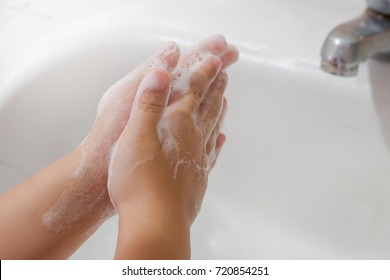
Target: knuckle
{"x": 150, "y": 102}
{"x": 198, "y": 83}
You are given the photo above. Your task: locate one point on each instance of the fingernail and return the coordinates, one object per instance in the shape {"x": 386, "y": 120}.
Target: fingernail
{"x": 224, "y": 111}
{"x": 221, "y": 140}
{"x": 225, "y": 103}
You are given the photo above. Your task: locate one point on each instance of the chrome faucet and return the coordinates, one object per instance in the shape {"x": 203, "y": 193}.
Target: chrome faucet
{"x": 353, "y": 42}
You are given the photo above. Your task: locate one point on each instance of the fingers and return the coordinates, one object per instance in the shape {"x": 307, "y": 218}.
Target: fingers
{"x": 230, "y": 56}
{"x": 215, "y": 44}
{"x": 199, "y": 83}
{"x": 218, "y": 147}
{"x": 151, "y": 99}
{"x": 212, "y": 106}
{"x": 220, "y": 142}
{"x": 120, "y": 96}
{"x": 212, "y": 140}
{"x": 217, "y": 139}
{"x": 167, "y": 58}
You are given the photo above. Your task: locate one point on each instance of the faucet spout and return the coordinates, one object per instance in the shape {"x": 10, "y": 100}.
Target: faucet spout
{"x": 352, "y": 43}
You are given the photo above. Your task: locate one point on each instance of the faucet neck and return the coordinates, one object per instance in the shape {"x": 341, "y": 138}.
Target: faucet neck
{"x": 380, "y": 6}
{"x": 353, "y": 42}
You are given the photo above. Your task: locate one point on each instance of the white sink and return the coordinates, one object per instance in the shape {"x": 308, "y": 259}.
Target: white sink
{"x": 305, "y": 170}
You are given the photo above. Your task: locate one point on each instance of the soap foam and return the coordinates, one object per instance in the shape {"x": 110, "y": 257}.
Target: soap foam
{"x": 81, "y": 200}
{"x": 182, "y": 77}
{"x": 75, "y": 204}
{"x": 152, "y": 82}
{"x": 163, "y": 59}
{"x": 134, "y": 167}
{"x": 180, "y": 86}
{"x": 171, "y": 148}
{"x": 169, "y": 144}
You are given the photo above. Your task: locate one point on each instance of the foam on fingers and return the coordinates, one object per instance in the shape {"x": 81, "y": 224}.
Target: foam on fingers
{"x": 204, "y": 64}
{"x": 212, "y": 106}
{"x": 156, "y": 80}
{"x": 215, "y": 44}
{"x": 78, "y": 202}
{"x": 150, "y": 101}
{"x": 230, "y": 56}
{"x": 166, "y": 58}
{"x": 150, "y": 84}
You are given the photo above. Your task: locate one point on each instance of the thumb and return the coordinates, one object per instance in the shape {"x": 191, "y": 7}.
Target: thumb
{"x": 151, "y": 98}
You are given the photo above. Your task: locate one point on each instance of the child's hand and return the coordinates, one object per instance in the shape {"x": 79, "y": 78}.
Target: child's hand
{"x": 164, "y": 154}
{"x": 160, "y": 164}
{"x": 115, "y": 106}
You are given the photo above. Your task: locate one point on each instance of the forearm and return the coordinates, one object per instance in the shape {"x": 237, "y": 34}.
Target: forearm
{"x": 41, "y": 218}
{"x": 152, "y": 230}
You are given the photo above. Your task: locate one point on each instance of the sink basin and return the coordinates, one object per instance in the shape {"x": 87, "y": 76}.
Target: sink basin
{"x": 305, "y": 171}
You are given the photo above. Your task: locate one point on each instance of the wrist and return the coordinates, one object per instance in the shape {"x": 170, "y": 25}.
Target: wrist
{"x": 88, "y": 175}
{"x": 154, "y": 210}
{"x": 90, "y": 165}
{"x": 152, "y": 232}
